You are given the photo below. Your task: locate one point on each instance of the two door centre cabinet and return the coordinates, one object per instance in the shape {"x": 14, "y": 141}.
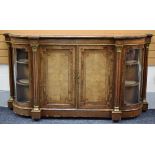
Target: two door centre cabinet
{"x": 78, "y": 76}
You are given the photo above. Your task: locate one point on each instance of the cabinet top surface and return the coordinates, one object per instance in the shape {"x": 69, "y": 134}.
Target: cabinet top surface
{"x": 78, "y": 36}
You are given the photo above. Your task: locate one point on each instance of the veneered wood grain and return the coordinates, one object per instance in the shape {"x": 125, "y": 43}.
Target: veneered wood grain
{"x": 59, "y": 66}
{"x": 91, "y": 65}
{"x": 58, "y": 76}
{"x": 96, "y": 75}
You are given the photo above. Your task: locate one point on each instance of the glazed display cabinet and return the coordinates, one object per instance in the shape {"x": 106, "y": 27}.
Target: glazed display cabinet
{"x": 78, "y": 76}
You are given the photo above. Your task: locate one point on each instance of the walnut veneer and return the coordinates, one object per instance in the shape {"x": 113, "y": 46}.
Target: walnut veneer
{"x": 78, "y": 76}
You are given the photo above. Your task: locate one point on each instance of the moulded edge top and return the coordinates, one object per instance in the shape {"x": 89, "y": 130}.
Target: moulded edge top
{"x": 78, "y": 36}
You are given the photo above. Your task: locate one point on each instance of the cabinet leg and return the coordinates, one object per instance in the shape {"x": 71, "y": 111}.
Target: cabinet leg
{"x": 10, "y": 103}
{"x": 145, "y": 106}
{"x": 36, "y": 113}
{"x": 116, "y": 115}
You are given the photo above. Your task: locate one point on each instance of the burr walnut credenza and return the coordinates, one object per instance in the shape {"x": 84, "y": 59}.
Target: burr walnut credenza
{"x": 78, "y": 76}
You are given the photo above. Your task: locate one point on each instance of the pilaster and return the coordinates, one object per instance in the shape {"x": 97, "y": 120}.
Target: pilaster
{"x": 36, "y": 112}
{"x": 145, "y": 70}
{"x": 116, "y": 113}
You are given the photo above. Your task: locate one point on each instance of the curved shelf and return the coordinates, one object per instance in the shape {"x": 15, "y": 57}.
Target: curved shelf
{"x": 24, "y": 82}
{"x": 22, "y": 61}
{"x": 131, "y": 83}
{"x": 24, "y": 101}
{"x": 131, "y": 103}
{"x": 132, "y": 62}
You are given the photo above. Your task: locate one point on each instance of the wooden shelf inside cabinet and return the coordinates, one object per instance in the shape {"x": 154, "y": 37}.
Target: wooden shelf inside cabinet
{"x": 24, "y": 82}
{"x": 130, "y": 103}
{"x": 131, "y": 83}
{"x": 132, "y": 62}
{"x": 22, "y": 61}
{"x": 24, "y": 101}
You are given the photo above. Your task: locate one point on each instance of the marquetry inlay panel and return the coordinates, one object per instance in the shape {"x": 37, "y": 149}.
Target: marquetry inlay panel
{"x": 59, "y": 75}
{"x": 96, "y": 75}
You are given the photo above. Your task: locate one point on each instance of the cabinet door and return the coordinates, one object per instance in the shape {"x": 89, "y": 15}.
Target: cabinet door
{"x": 133, "y": 74}
{"x": 22, "y": 75}
{"x": 96, "y": 80}
{"x": 58, "y": 65}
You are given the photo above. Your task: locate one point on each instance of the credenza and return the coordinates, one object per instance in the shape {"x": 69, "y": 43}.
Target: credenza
{"x": 78, "y": 76}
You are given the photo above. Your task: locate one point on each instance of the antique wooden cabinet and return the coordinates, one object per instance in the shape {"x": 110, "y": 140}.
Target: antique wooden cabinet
{"x": 78, "y": 76}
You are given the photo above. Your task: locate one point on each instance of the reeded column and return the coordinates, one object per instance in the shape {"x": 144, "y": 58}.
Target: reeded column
{"x": 10, "y": 45}
{"x": 11, "y": 76}
{"x": 36, "y": 112}
{"x": 116, "y": 113}
{"x": 145, "y": 70}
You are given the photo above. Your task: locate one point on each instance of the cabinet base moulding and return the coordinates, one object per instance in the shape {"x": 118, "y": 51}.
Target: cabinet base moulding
{"x": 39, "y": 113}
{"x": 10, "y": 103}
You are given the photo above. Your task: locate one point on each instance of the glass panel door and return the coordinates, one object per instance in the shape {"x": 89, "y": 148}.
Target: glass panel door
{"x": 133, "y": 74}
{"x": 21, "y": 67}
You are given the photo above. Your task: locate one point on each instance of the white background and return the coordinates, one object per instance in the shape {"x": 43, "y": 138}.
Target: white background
{"x": 77, "y": 15}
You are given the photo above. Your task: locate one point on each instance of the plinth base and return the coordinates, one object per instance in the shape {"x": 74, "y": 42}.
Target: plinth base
{"x": 145, "y": 106}
{"x": 36, "y": 113}
{"x": 116, "y": 115}
{"x": 10, "y": 103}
